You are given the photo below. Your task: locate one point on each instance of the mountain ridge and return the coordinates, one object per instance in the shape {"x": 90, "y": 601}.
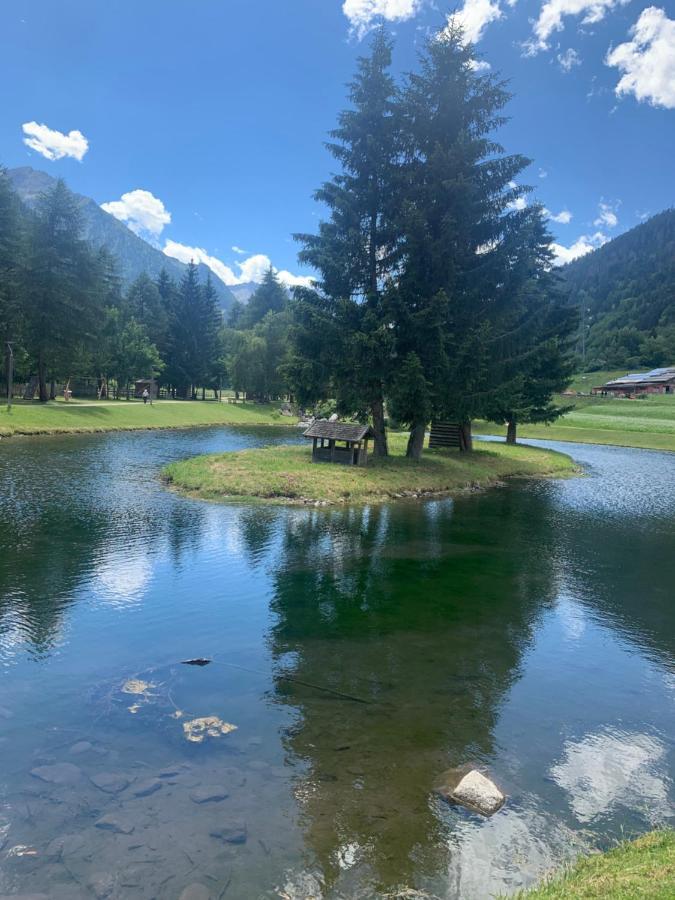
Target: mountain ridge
{"x": 134, "y": 254}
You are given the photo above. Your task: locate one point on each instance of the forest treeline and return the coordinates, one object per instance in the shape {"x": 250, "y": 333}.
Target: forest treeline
{"x": 435, "y": 296}
{"x": 625, "y": 292}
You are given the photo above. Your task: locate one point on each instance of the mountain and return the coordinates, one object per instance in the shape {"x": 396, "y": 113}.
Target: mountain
{"x": 244, "y": 292}
{"x": 133, "y": 254}
{"x": 625, "y": 291}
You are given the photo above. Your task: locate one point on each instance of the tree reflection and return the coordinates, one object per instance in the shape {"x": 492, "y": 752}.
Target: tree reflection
{"x": 421, "y": 611}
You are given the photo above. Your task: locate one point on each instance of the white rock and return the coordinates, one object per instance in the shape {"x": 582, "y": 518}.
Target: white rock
{"x": 479, "y": 793}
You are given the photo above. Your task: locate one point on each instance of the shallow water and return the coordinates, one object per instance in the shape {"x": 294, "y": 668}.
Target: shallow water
{"x": 360, "y": 653}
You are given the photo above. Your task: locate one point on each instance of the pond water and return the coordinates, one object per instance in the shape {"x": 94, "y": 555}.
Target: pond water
{"x": 529, "y": 630}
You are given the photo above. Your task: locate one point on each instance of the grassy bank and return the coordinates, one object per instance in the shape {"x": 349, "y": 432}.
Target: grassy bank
{"x": 648, "y": 423}
{"x": 287, "y": 475}
{"x": 57, "y": 417}
{"x": 644, "y": 868}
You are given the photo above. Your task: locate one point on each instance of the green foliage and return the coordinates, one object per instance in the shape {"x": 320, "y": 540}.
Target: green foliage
{"x": 270, "y": 296}
{"x": 624, "y": 292}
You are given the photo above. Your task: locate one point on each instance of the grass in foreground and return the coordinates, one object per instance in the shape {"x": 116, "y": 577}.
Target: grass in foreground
{"x": 644, "y": 868}
{"x": 57, "y": 417}
{"x": 647, "y": 423}
{"x": 287, "y": 474}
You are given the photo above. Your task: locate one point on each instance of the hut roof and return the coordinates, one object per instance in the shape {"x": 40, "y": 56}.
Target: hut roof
{"x": 339, "y": 431}
{"x": 656, "y": 376}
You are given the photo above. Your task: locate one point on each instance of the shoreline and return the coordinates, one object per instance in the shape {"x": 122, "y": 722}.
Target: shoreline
{"x": 286, "y": 476}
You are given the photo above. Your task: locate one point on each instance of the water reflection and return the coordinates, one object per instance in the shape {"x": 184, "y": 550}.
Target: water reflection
{"x": 360, "y": 652}
{"x": 420, "y": 613}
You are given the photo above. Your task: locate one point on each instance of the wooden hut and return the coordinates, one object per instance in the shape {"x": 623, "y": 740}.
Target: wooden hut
{"x": 340, "y": 442}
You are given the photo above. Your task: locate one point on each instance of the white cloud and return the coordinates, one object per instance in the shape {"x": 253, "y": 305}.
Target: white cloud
{"x": 580, "y": 247}
{"x": 251, "y": 269}
{"x": 480, "y": 65}
{"x": 475, "y": 16}
{"x": 648, "y": 60}
{"x": 196, "y": 254}
{"x": 54, "y": 144}
{"x": 543, "y": 173}
{"x": 238, "y": 250}
{"x": 606, "y": 216}
{"x": 362, "y": 14}
{"x": 553, "y": 12}
{"x": 569, "y": 59}
{"x": 141, "y": 211}
{"x": 564, "y": 217}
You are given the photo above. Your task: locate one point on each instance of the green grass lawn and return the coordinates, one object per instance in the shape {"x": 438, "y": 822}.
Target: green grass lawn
{"x": 644, "y": 868}
{"x": 287, "y": 474}
{"x": 32, "y": 417}
{"x": 648, "y": 423}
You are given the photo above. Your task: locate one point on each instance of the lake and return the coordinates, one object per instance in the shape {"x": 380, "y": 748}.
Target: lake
{"x": 360, "y": 652}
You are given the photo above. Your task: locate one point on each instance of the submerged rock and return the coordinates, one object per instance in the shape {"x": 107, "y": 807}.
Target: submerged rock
{"x": 81, "y": 747}
{"x": 59, "y": 773}
{"x": 196, "y": 891}
{"x": 209, "y": 794}
{"x": 110, "y": 782}
{"x": 235, "y": 833}
{"x": 472, "y": 790}
{"x": 146, "y": 788}
{"x": 116, "y": 824}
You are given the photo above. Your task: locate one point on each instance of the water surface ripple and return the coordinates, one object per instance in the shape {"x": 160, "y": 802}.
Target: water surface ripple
{"x": 359, "y": 651}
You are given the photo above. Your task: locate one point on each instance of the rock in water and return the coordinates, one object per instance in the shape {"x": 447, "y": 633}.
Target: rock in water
{"x": 474, "y": 791}
{"x": 146, "y": 788}
{"x": 59, "y": 773}
{"x": 199, "y": 661}
{"x": 236, "y": 833}
{"x": 110, "y": 782}
{"x": 116, "y": 824}
{"x": 195, "y": 891}
{"x": 209, "y": 794}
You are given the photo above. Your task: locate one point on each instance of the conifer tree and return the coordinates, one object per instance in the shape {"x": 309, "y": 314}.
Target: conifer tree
{"x": 457, "y": 229}
{"x": 63, "y": 304}
{"x": 12, "y": 266}
{"x": 356, "y": 250}
{"x": 269, "y": 296}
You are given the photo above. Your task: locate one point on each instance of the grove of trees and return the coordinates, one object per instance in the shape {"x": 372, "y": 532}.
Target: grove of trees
{"x": 436, "y": 297}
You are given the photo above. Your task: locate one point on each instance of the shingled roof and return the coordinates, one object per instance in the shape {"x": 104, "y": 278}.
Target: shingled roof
{"x": 339, "y": 431}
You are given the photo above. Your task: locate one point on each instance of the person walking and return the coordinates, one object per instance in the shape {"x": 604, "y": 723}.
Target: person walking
{"x": 145, "y": 396}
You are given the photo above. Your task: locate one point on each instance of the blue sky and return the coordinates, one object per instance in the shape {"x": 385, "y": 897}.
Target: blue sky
{"x": 201, "y": 122}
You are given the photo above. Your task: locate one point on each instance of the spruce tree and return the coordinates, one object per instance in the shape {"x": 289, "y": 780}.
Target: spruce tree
{"x": 269, "y": 296}
{"x": 455, "y": 192}
{"x": 356, "y": 250}
{"x": 66, "y": 284}
{"x": 12, "y": 267}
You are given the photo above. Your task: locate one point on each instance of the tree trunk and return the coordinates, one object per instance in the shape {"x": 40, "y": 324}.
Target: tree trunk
{"x": 416, "y": 441}
{"x": 52, "y": 390}
{"x": 465, "y": 437}
{"x": 380, "y": 447}
{"x": 203, "y": 393}
{"x": 42, "y": 378}
{"x": 511, "y": 431}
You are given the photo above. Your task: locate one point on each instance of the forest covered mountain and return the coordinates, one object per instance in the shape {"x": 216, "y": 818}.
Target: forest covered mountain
{"x": 133, "y": 254}
{"x": 625, "y": 292}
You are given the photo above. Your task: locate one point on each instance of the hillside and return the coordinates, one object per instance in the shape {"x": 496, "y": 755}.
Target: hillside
{"x": 626, "y": 290}
{"x": 133, "y": 254}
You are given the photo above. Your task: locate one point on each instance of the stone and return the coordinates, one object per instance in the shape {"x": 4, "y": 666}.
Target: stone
{"x": 110, "y": 782}
{"x": 102, "y": 884}
{"x": 476, "y": 792}
{"x": 172, "y": 771}
{"x": 209, "y": 793}
{"x": 147, "y": 787}
{"x": 235, "y": 833}
{"x": 195, "y": 891}
{"x": 81, "y": 747}
{"x": 59, "y": 773}
{"x": 24, "y": 897}
{"x": 116, "y": 824}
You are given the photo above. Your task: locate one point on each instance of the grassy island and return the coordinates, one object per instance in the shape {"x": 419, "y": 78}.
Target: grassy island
{"x": 58, "y": 417}
{"x": 641, "y": 868}
{"x": 287, "y": 475}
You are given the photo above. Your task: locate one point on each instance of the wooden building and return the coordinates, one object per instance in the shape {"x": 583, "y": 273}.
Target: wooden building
{"x": 658, "y": 381}
{"x": 445, "y": 434}
{"x": 340, "y": 442}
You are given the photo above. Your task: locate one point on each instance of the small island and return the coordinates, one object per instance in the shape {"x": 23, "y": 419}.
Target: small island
{"x": 287, "y": 475}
